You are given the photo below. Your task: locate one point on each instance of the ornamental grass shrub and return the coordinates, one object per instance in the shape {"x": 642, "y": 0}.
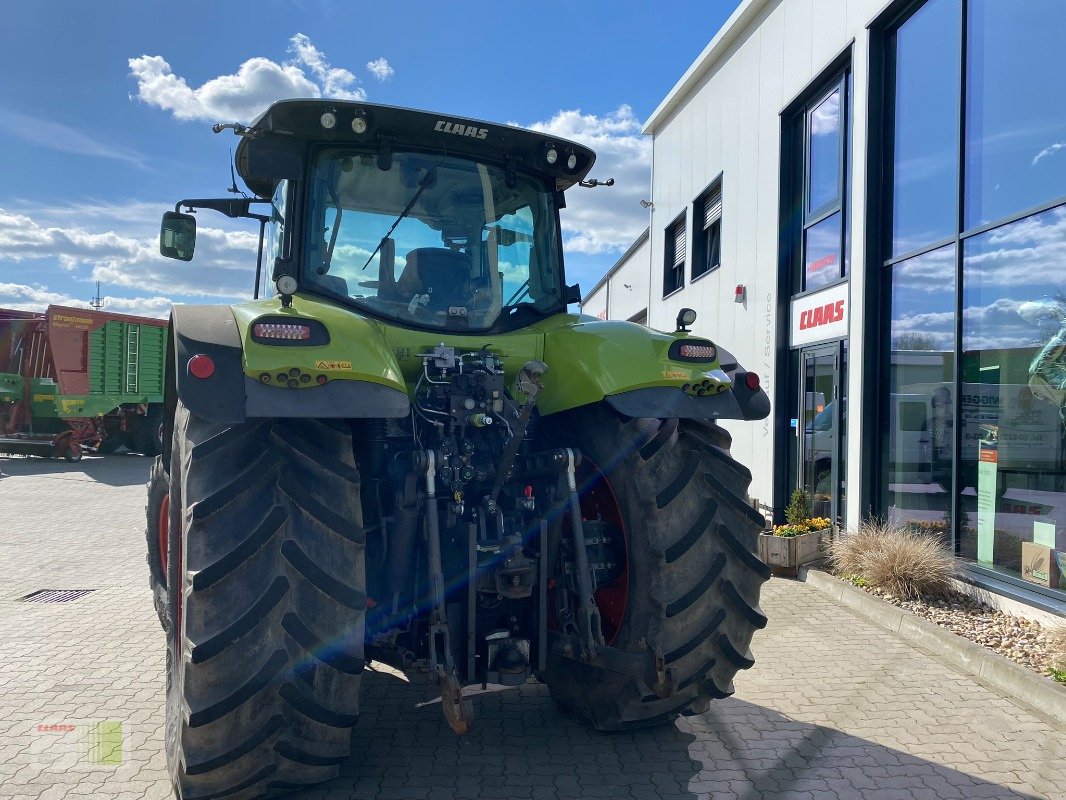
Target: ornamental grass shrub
{"x": 895, "y": 559}
{"x": 1058, "y": 654}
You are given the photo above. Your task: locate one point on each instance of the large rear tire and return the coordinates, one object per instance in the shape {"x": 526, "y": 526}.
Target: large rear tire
{"x": 691, "y": 582}
{"x": 266, "y": 605}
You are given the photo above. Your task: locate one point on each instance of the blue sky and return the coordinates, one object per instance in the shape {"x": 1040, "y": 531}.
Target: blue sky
{"x": 106, "y": 108}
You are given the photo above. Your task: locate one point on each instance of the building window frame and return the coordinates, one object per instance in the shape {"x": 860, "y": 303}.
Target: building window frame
{"x": 793, "y": 221}
{"x": 673, "y": 261}
{"x": 839, "y": 80}
{"x": 880, "y": 261}
{"x": 707, "y": 240}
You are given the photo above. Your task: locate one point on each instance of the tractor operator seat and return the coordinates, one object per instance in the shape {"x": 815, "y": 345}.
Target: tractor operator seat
{"x": 441, "y": 273}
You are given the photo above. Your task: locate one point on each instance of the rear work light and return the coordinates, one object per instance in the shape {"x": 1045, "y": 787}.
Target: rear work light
{"x": 289, "y": 331}
{"x": 281, "y": 330}
{"x": 698, "y": 350}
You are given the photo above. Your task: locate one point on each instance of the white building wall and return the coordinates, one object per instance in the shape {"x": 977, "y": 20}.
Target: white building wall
{"x": 629, "y": 284}
{"x": 623, "y": 293}
{"x": 595, "y": 304}
{"x": 729, "y": 123}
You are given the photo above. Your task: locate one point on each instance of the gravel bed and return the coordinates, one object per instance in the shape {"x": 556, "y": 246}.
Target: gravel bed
{"x": 1022, "y": 641}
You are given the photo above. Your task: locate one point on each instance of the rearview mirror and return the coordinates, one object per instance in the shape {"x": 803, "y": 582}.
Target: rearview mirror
{"x": 573, "y": 294}
{"x": 177, "y": 235}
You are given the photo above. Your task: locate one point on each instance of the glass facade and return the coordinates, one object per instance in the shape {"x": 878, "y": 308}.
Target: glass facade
{"x": 822, "y": 246}
{"x": 825, "y": 143}
{"x": 925, "y": 139}
{"x": 917, "y": 427}
{"x": 975, "y": 285}
{"x": 1015, "y": 101}
{"x": 1013, "y": 466}
{"x": 825, "y": 159}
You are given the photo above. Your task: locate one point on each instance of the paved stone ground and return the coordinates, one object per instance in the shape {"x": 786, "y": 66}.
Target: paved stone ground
{"x": 834, "y": 708}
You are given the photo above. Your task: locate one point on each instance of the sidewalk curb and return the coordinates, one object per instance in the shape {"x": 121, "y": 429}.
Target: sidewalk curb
{"x": 1002, "y": 673}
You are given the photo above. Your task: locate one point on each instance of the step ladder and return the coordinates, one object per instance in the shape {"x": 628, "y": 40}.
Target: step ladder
{"x": 133, "y": 362}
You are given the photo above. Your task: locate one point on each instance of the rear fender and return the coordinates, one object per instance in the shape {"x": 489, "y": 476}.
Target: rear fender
{"x": 359, "y": 381}
{"x": 630, "y": 367}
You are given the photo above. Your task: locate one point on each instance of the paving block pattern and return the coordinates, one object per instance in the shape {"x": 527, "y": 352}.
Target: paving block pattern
{"x": 834, "y": 708}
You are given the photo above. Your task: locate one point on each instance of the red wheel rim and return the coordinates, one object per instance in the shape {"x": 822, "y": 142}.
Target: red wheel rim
{"x": 598, "y": 502}
{"x": 163, "y": 533}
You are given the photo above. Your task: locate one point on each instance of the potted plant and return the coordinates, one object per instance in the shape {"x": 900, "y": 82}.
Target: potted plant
{"x": 799, "y": 541}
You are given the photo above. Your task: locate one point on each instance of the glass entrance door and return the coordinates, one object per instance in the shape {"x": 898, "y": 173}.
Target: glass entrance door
{"x": 821, "y": 420}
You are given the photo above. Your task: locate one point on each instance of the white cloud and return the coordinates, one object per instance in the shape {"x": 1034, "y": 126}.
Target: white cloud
{"x": 123, "y": 251}
{"x": 245, "y": 94}
{"x": 380, "y": 68}
{"x": 1051, "y": 149}
{"x": 25, "y": 297}
{"x": 336, "y": 82}
{"x": 605, "y": 219}
{"x": 65, "y": 139}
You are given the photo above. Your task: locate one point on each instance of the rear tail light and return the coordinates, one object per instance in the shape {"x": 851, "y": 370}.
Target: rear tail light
{"x": 752, "y": 380}
{"x": 201, "y": 366}
{"x": 281, "y": 330}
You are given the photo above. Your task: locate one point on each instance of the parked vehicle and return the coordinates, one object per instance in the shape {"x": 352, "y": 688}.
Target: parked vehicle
{"x": 414, "y": 454}
{"x": 73, "y": 376}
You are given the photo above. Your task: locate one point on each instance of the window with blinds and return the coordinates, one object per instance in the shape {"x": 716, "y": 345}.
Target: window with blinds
{"x": 674, "y": 266}
{"x": 707, "y": 253}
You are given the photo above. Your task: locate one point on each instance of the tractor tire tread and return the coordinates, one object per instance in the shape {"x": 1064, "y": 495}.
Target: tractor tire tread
{"x": 268, "y": 688}
{"x": 691, "y": 536}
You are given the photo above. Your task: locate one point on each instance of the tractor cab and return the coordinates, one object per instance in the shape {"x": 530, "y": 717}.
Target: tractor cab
{"x": 413, "y": 218}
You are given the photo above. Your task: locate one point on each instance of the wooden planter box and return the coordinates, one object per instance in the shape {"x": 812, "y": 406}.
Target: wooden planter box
{"x": 786, "y": 553}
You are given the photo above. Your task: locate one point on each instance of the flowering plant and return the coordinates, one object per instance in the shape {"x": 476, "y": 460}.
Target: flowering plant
{"x": 800, "y": 528}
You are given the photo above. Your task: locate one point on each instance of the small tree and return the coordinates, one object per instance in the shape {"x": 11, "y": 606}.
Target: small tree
{"x": 799, "y": 507}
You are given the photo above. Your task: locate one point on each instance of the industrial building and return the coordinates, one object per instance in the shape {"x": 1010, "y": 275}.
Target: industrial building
{"x": 866, "y": 203}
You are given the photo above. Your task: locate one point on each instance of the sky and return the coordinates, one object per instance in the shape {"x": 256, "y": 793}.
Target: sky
{"x": 106, "y": 111}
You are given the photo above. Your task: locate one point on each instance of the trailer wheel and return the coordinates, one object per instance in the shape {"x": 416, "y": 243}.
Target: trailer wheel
{"x": 266, "y": 605}
{"x": 157, "y": 536}
{"x": 145, "y": 436}
{"x": 689, "y": 585}
{"x": 112, "y": 443}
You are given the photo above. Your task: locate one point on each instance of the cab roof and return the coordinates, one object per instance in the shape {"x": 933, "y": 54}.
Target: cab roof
{"x": 275, "y": 144}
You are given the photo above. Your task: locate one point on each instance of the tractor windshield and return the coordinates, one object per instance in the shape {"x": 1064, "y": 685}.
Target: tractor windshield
{"x": 433, "y": 240}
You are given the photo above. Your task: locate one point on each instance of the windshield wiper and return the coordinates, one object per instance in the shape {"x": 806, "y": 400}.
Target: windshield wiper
{"x": 523, "y": 290}
{"x": 423, "y": 184}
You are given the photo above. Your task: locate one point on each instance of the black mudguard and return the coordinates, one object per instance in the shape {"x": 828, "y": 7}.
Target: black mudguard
{"x": 229, "y": 397}
{"x": 668, "y": 401}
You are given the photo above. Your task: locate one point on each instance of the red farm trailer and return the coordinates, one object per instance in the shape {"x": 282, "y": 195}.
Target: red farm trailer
{"x": 73, "y": 376}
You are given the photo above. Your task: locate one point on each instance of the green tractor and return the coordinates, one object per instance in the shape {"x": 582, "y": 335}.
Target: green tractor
{"x": 412, "y": 453}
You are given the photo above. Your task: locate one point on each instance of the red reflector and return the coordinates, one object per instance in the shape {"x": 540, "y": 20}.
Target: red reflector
{"x": 697, "y": 351}
{"x": 201, "y": 366}
{"x": 752, "y": 379}
{"x": 281, "y": 330}
{"x": 321, "y": 380}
